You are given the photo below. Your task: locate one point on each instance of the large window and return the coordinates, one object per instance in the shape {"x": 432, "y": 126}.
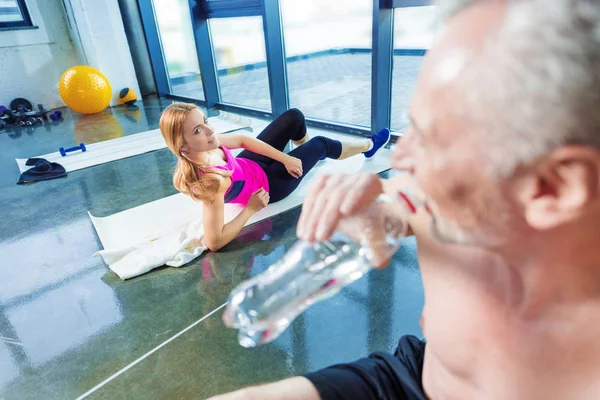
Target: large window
{"x": 328, "y": 48}
{"x": 239, "y": 47}
{"x": 328, "y": 55}
{"x": 179, "y": 47}
{"x": 415, "y": 29}
{"x": 14, "y": 14}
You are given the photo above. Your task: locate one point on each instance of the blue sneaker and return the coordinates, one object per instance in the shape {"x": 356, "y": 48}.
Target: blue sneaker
{"x": 379, "y": 141}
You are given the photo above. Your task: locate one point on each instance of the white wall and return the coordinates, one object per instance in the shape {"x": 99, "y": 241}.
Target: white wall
{"x": 103, "y": 42}
{"x": 32, "y": 61}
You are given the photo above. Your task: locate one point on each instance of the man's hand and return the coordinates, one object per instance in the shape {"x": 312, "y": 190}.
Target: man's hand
{"x": 333, "y": 197}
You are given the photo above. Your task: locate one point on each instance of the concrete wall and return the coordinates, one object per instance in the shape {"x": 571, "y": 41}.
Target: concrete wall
{"x": 32, "y": 61}
{"x": 70, "y": 32}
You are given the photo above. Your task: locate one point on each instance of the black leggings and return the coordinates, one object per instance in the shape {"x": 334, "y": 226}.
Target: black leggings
{"x": 291, "y": 126}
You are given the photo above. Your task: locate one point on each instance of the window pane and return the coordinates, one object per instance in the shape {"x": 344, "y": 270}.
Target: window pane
{"x": 239, "y": 46}
{"x": 328, "y": 48}
{"x": 179, "y": 47}
{"x": 414, "y": 33}
{"x": 10, "y": 11}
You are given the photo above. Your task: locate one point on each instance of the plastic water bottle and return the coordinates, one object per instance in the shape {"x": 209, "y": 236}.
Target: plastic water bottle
{"x": 263, "y": 307}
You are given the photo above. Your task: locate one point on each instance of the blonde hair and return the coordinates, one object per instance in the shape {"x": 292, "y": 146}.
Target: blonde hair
{"x": 189, "y": 178}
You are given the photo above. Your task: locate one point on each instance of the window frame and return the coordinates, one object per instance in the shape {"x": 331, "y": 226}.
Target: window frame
{"x": 230, "y": 8}
{"x": 410, "y": 3}
{"x": 24, "y": 23}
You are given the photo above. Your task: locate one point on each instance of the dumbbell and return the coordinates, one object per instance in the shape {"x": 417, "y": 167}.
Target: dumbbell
{"x": 21, "y": 105}
{"x": 7, "y": 116}
{"x": 56, "y": 115}
{"x": 31, "y": 121}
{"x": 63, "y": 151}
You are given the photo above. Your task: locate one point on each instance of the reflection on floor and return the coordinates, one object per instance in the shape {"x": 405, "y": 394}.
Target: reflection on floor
{"x": 67, "y": 322}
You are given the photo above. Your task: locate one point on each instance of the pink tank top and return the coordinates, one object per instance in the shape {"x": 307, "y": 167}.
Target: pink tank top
{"x": 246, "y": 179}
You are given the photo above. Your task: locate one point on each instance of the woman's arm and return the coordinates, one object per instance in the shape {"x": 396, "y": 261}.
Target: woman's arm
{"x": 254, "y": 145}
{"x": 230, "y": 140}
{"x": 217, "y": 233}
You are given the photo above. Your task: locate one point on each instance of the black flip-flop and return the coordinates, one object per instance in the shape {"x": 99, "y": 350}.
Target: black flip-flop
{"x": 42, "y": 171}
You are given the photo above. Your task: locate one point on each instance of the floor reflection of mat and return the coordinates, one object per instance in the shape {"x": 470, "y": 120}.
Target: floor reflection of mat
{"x": 154, "y": 219}
{"x": 131, "y": 145}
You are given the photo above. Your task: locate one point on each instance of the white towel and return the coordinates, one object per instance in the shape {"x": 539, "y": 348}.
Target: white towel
{"x": 174, "y": 249}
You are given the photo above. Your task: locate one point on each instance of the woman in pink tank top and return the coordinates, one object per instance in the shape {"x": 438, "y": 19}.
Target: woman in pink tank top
{"x": 208, "y": 172}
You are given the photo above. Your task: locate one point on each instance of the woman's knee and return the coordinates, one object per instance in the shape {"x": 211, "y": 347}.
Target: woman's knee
{"x": 319, "y": 144}
{"x": 333, "y": 148}
{"x": 319, "y": 139}
{"x": 295, "y": 115}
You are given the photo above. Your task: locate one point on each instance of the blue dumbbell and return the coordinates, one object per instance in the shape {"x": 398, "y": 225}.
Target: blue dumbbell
{"x": 56, "y": 115}
{"x": 63, "y": 151}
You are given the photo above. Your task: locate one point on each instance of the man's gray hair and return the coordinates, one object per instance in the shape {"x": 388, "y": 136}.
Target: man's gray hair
{"x": 539, "y": 76}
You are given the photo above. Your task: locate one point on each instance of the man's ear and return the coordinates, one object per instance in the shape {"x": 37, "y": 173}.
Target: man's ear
{"x": 561, "y": 187}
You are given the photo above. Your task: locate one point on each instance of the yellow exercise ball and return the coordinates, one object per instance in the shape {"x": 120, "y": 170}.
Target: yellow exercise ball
{"x": 85, "y": 89}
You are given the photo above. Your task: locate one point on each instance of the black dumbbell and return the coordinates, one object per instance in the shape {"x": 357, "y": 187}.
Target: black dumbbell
{"x": 63, "y": 151}
{"x": 31, "y": 121}
{"x": 7, "y": 116}
{"x": 43, "y": 112}
{"x": 24, "y": 113}
{"x": 20, "y": 104}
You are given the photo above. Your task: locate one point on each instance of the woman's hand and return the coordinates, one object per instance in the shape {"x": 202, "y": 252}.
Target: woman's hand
{"x": 258, "y": 200}
{"x": 293, "y": 166}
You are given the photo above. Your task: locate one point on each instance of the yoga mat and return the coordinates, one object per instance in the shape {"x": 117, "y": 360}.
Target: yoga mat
{"x": 131, "y": 145}
{"x": 153, "y": 220}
